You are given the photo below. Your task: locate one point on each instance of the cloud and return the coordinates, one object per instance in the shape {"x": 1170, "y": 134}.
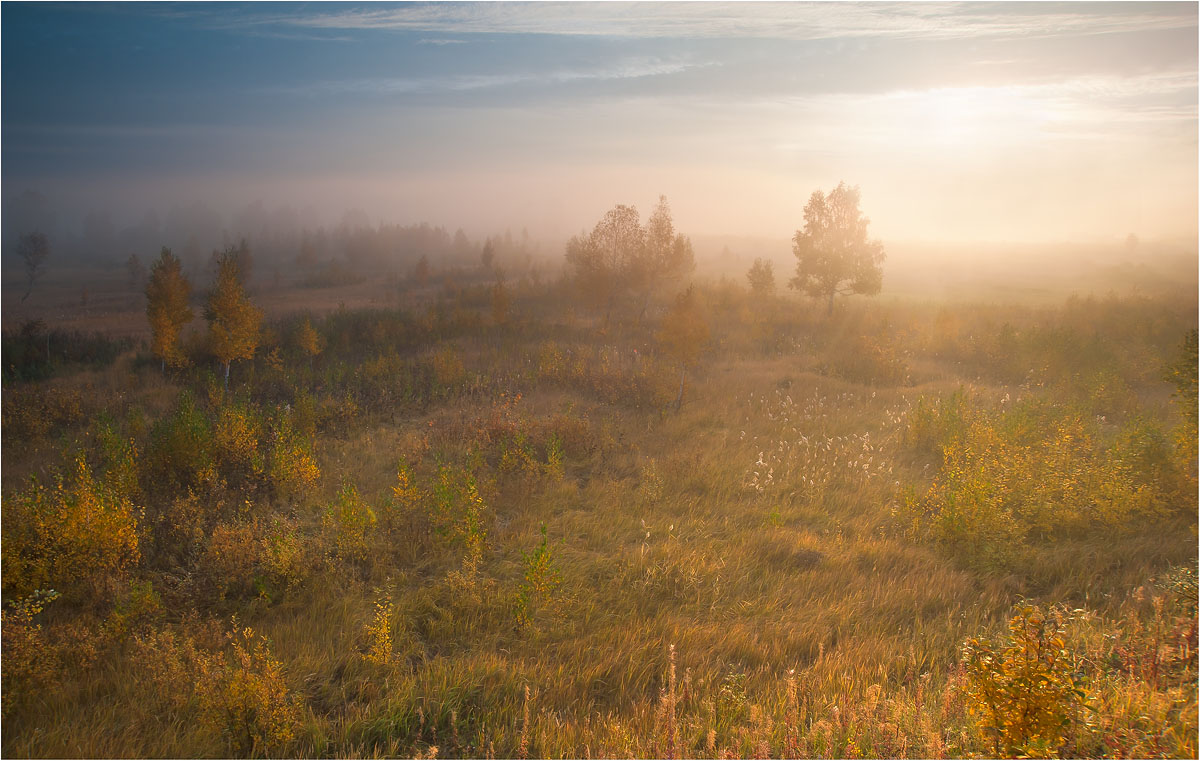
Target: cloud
{"x": 429, "y": 41}
{"x": 632, "y": 68}
{"x": 795, "y": 21}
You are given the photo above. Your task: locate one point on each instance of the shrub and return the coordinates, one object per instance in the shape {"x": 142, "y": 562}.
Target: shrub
{"x": 183, "y": 443}
{"x": 516, "y": 456}
{"x": 243, "y": 696}
{"x": 554, "y": 458}
{"x": 934, "y": 422}
{"x": 167, "y": 663}
{"x": 1145, "y": 451}
{"x": 235, "y": 437}
{"x": 29, "y": 661}
{"x": 33, "y": 353}
{"x": 541, "y": 583}
{"x": 282, "y": 560}
{"x": 73, "y": 535}
{"x": 347, "y": 525}
{"x": 378, "y": 633}
{"x": 134, "y": 608}
{"x": 457, "y": 511}
{"x": 873, "y": 361}
{"x": 1036, "y": 471}
{"x": 181, "y": 527}
{"x": 1024, "y": 688}
{"x": 117, "y": 458}
{"x": 552, "y": 363}
{"x": 231, "y": 559}
{"x": 291, "y": 467}
{"x": 404, "y": 511}
{"x": 447, "y": 367}
{"x": 31, "y": 414}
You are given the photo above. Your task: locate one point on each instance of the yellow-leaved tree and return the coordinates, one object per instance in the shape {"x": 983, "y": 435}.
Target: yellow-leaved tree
{"x": 233, "y": 322}
{"x": 683, "y": 334}
{"x": 309, "y": 340}
{"x": 167, "y": 294}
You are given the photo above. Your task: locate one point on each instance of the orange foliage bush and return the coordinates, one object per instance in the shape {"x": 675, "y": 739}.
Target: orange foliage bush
{"x": 236, "y": 432}
{"x": 244, "y": 697}
{"x": 69, "y": 536}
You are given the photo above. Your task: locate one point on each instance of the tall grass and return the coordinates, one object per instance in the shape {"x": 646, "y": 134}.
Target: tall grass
{"x": 450, "y": 537}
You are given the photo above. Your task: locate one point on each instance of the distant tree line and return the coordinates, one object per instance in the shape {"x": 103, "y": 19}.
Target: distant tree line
{"x": 284, "y": 241}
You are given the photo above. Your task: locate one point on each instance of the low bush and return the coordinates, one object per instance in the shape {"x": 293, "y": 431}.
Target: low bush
{"x": 73, "y": 536}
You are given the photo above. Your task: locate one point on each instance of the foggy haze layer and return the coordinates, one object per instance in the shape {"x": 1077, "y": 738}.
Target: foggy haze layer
{"x": 961, "y": 122}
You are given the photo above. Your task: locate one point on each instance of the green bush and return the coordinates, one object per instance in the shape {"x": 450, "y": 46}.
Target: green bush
{"x": 1035, "y": 472}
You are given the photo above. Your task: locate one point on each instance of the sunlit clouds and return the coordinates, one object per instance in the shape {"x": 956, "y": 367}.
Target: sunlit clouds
{"x": 1022, "y": 121}
{"x": 791, "y": 21}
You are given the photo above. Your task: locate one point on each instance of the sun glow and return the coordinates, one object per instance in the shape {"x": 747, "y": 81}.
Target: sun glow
{"x": 969, "y": 118}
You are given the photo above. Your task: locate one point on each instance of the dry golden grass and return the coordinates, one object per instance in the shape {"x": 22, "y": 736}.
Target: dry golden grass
{"x": 703, "y": 611}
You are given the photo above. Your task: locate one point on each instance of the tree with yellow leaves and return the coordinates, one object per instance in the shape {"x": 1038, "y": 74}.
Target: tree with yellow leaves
{"x": 232, "y": 320}
{"x": 309, "y": 340}
{"x": 167, "y": 294}
{"x": 683, "y": 334}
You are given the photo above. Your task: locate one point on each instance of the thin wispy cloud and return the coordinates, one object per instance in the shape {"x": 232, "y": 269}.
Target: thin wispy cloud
{"x": 794, "y": 21}
{"x": 636, "y": 68}
{"x": 1095, "y": 100}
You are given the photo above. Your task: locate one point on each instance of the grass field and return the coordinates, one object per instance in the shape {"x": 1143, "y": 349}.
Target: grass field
{"x": 912, "y": 528}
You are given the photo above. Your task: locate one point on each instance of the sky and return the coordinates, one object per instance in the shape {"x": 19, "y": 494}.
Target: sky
{"x": 959, "y": 122}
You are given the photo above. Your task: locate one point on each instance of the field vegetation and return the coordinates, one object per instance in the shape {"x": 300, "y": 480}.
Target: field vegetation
{"x": 630, "y": 510}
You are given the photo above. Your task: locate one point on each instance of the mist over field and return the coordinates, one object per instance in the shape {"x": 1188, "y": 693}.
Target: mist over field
{"x": 977, "y": 123}
{"x": 571, "y": 380}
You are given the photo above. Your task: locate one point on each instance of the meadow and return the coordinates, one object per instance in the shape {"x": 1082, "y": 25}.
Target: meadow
{"x": 476, "y": 519}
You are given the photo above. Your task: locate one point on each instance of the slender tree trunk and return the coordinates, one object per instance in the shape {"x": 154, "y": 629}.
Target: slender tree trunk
{"x": 163, "y": 360}
{"x": 829, "y": 309}
{"x": 226, "y": 376}
{"x": 679, "y": 396}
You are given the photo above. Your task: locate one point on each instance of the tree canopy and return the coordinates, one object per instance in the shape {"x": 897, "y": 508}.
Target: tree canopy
{"x": 233, "y": 321}
{"x": 762, "y": 277}
{"x": 167, "y": 309}
{"x": 833, "y": 253}
{"x": 620, "y": 258}
{"x": 309, "y": 340}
